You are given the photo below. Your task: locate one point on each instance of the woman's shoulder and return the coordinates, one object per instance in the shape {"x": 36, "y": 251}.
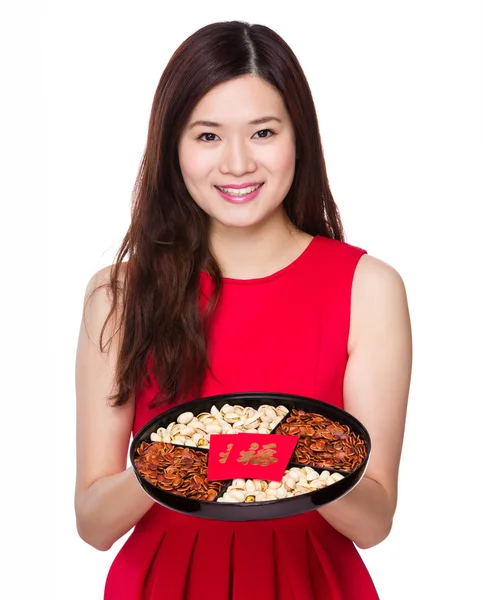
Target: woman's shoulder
{"x": 98, "y": 298}
{"x": 372, "y": 272}
{"x": 103, "y": 276}
{"x": 378, "y": 297}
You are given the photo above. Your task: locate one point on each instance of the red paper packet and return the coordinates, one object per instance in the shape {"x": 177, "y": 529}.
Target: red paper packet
{"x": 249, "y": 456}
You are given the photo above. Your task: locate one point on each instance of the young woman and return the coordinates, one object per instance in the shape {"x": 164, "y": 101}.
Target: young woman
{"x": 237, "y": 279}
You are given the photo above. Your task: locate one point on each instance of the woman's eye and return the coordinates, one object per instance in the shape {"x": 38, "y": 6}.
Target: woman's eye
{"x": 264, "y": 131}
{"x": 205, "y": 137}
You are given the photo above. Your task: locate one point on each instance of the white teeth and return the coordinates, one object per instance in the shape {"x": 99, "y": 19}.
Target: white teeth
{"x": 241, "y": 192}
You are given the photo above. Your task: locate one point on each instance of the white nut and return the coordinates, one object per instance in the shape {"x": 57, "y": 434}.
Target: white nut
{"x": 214, "y": 411}
{"x": 274, "y": 485}
{"x": 281, "y": 492}
{"x": 215, "y": 428}
{"x": 185, "y": 418}
{"x": 232, "y": 418}
{"x": 203, "y": 415}
{"x": 238, "y": 495}
{"x": 317, "y": 484}
{"x": 249, "y": 486}
{"x": 187, "y": 431}
{"x": 156, "y": 438}
{"x": 253, "y": 419}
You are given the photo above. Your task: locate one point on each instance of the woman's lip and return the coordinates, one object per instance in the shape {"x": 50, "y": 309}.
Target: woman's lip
{"x": 239, "y": 186}
{"x": 239, "y": 199}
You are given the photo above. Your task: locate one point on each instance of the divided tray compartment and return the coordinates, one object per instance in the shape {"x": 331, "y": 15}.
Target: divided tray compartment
{"x": 253, "y": 511}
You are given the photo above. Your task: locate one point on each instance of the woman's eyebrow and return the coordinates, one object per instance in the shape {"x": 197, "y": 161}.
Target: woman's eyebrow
{"x": 260, "y": 121}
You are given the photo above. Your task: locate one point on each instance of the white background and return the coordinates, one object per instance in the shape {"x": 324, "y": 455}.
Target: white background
{"x": 398, "y": 91}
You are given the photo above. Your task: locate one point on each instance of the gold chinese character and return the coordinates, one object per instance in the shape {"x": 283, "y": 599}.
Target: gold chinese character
{"x": 263, "y": 457}
{"x": 224, "y": 455}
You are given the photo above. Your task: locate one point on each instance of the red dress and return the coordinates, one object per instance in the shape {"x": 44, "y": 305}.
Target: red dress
{"x": 286, "y": 333}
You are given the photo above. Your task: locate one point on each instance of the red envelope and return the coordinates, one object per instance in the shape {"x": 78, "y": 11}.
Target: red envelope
{"x": 249, "y": 456}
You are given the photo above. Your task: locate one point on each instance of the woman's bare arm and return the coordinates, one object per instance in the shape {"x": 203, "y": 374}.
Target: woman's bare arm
{"x": 376, "y": 389}
{"x": 108, "y": 499}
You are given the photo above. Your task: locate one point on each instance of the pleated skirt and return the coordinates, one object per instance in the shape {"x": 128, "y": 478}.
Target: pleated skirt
{"x": 173, "y": 556}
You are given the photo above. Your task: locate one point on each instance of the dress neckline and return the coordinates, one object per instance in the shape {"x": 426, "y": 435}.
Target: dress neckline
{"x": 302, "y": 256}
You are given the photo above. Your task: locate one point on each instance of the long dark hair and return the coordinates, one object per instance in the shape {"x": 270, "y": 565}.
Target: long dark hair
{"x": 167, "y": 241}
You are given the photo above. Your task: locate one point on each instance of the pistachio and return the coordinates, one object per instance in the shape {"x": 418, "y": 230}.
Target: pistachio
{"x": 205, "y": 414}
{"x": 232, "y": 417}
{"x": 317, "y": 483}
{"x": 249, "y": 486}
{"x": 197, "y": 437}
{"x": 252, "y": 419}
{"x": 238, "y": 495}
{"x": 185, "y": 418}
{"x": 274, "y": 485}
{"x": 187, "y": 431}
{"x": 281, "y": 492}
{"x": 213, "y": 429}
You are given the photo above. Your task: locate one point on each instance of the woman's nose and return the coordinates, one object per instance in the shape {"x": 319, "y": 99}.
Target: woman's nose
{"x": 236, "y": 158}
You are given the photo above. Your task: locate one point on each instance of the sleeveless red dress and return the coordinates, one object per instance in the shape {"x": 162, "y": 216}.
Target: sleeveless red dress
{"x": 286, "y": 333}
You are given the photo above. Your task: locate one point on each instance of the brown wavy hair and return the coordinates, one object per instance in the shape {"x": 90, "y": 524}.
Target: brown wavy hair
{"x": 157, "y": 300}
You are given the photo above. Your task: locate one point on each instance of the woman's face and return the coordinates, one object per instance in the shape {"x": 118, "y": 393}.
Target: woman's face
{"x": 222, "y": 146}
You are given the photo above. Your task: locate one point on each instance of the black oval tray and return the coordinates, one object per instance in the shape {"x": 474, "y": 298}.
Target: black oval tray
{"x": 253, "y": 511}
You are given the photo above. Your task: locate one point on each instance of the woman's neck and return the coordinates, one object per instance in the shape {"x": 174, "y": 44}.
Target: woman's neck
{"x": 245, "y": 253}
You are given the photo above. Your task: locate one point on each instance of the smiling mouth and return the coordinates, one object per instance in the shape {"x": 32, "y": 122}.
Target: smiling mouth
{"x": 239, "y": 192}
